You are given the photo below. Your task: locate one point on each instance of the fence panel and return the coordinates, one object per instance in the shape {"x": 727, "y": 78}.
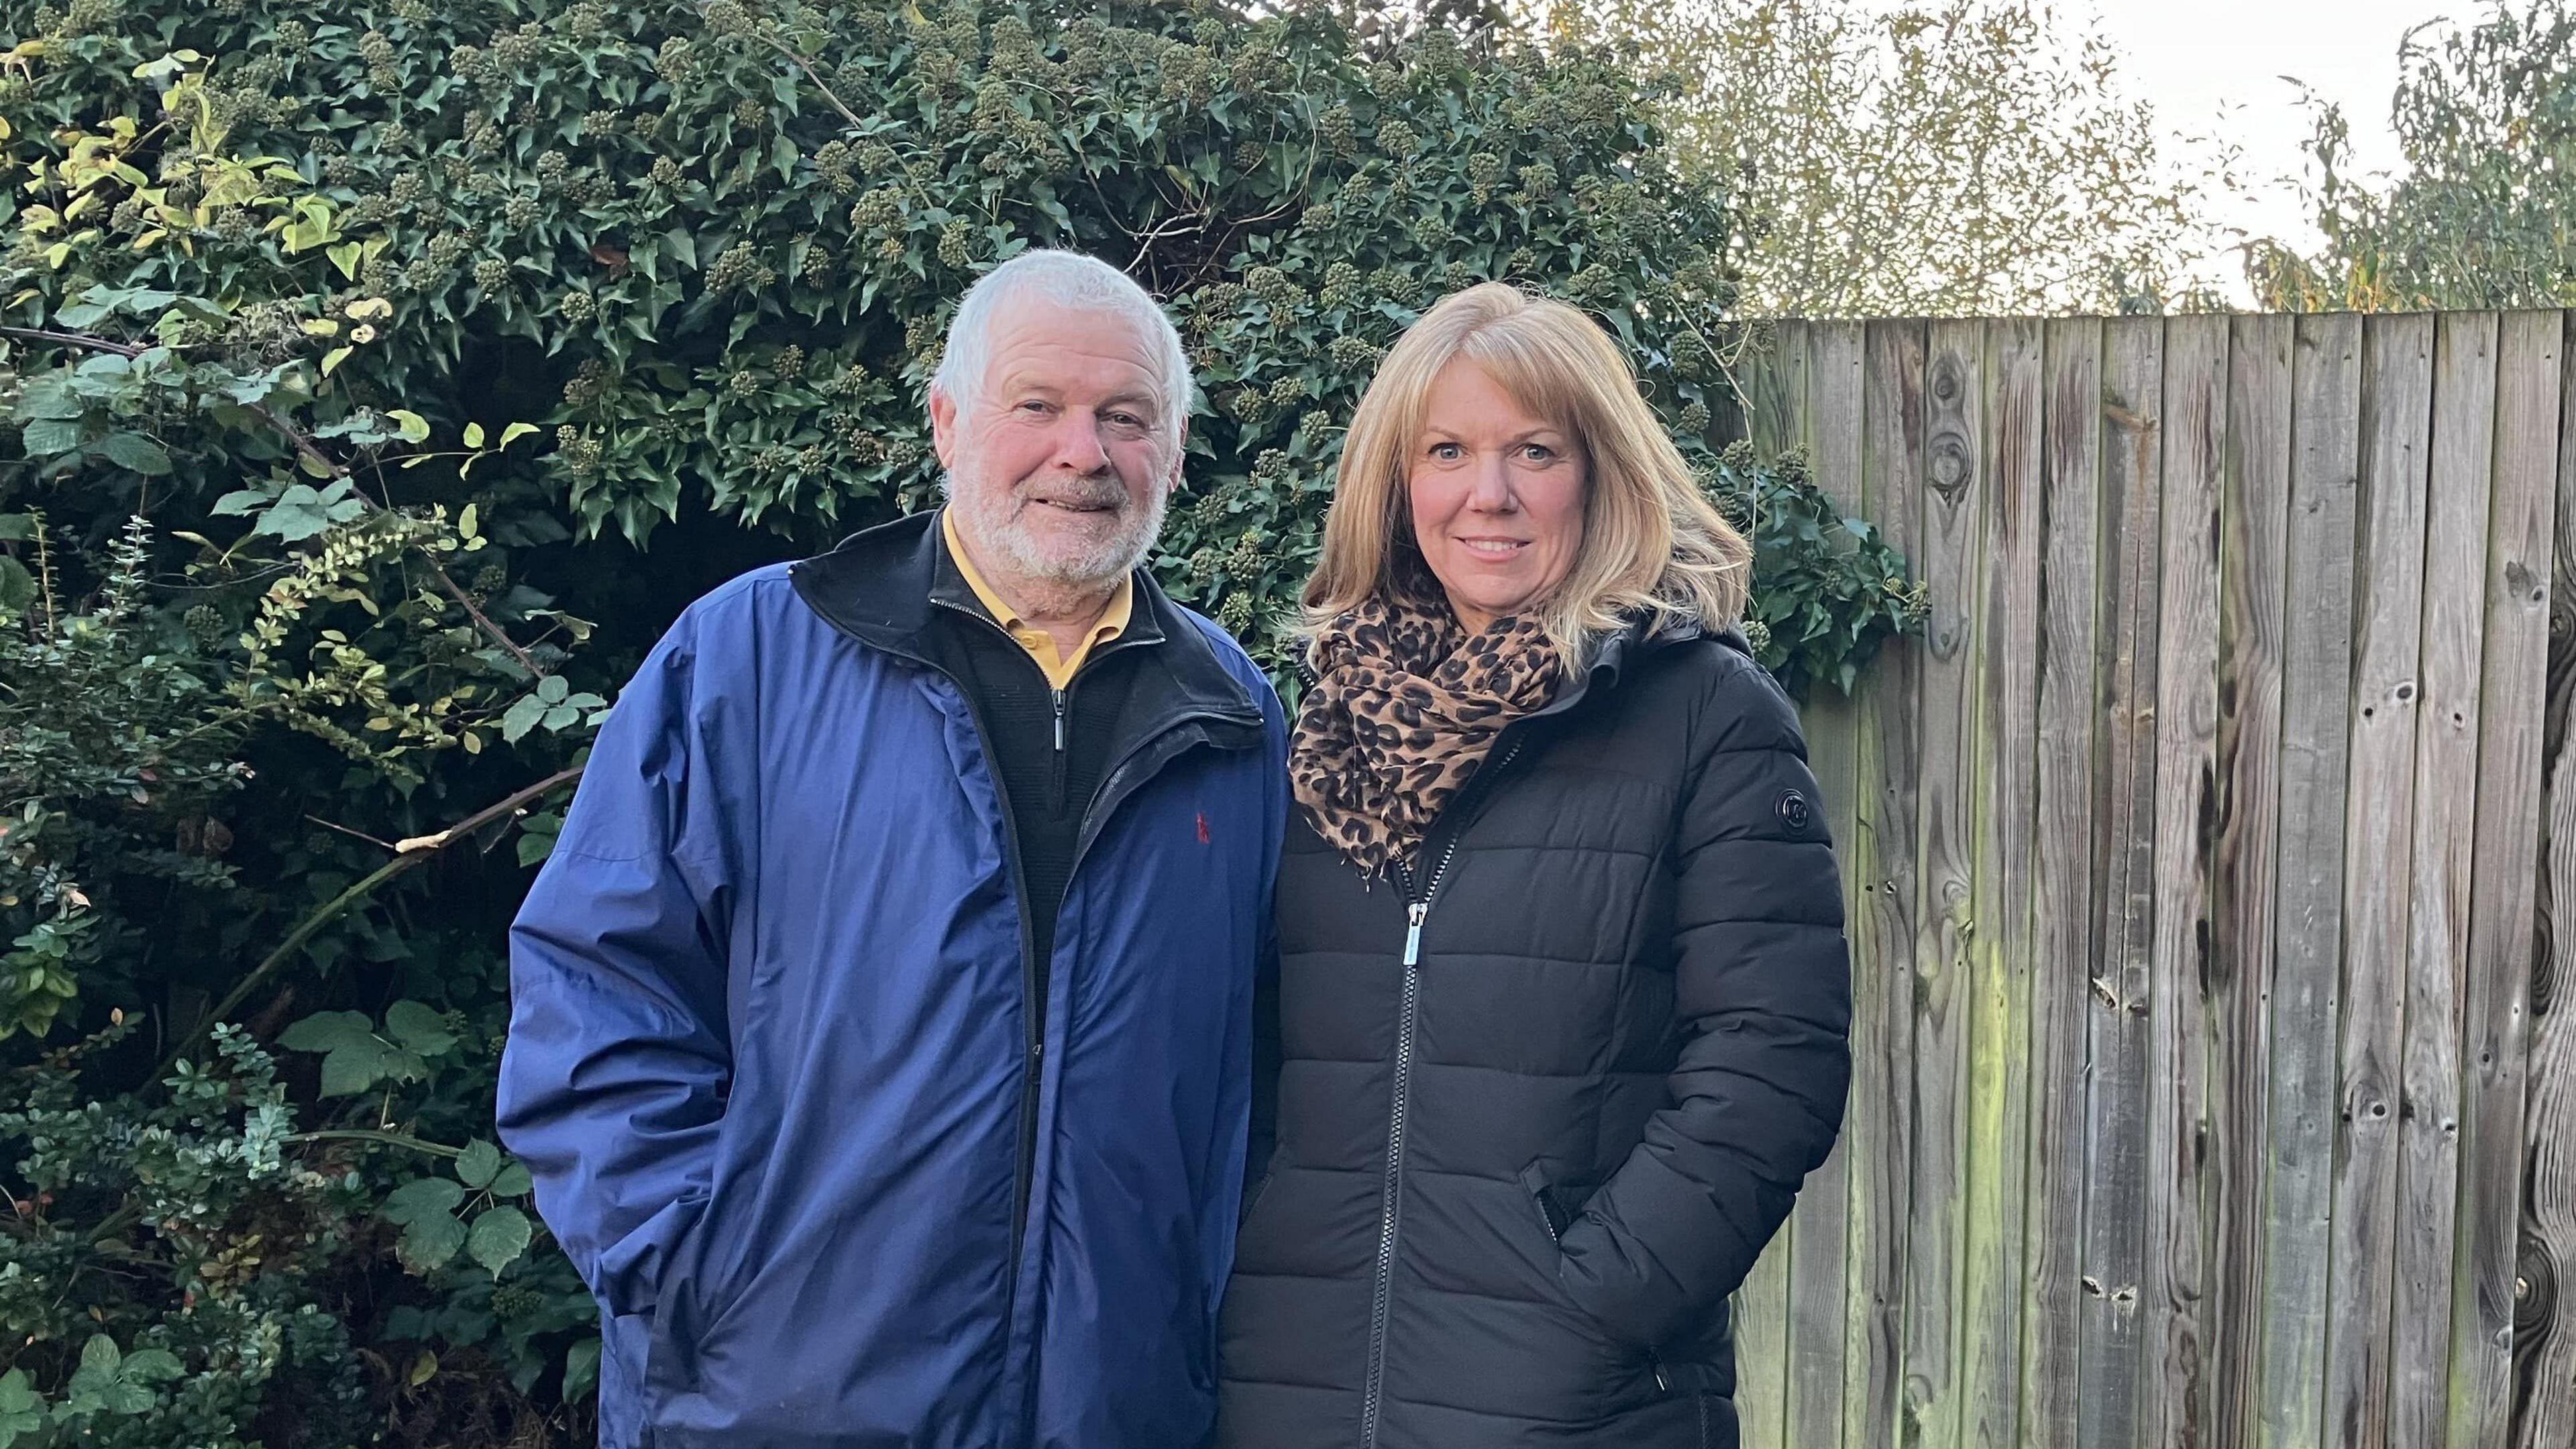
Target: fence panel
{"x": 2214, "y": 1048}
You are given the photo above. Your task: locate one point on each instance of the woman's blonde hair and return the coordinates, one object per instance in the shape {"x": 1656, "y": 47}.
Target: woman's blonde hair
{"x": 1653, "y": 544}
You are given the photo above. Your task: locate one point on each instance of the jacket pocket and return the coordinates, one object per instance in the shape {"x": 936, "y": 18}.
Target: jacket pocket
{"x": 1551, "y": 1217}
{"x": 684, "y": 1311}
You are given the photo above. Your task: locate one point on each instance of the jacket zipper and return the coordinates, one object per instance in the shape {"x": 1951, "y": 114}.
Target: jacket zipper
{"x": 1056, "y": 776}
{"x": 1417, "y": 910}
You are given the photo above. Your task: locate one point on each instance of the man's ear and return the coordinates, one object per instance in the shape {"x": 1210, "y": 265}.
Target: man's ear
{"x": 943, "y": 426}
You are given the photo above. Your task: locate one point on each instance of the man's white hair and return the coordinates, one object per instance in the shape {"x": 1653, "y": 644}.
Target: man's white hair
{"x": 1078, "y": 283}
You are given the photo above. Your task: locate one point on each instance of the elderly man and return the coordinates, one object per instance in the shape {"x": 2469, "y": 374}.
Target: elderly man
{"x": 882, "y": 1019}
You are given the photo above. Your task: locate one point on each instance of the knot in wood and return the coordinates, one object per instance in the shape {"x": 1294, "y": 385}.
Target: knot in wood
{"x": 1949, "y": 464}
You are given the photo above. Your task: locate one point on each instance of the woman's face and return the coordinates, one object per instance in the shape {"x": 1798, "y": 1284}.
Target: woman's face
{"x": 1496, "y": 494}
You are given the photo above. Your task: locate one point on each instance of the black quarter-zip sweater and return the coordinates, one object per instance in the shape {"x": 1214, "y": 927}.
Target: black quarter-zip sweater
{"x": 1048, "y": 776}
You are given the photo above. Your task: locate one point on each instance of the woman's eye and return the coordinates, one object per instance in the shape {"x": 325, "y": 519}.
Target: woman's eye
{"x": 1537, "y": 452}
{"x": 1447, "y": 452}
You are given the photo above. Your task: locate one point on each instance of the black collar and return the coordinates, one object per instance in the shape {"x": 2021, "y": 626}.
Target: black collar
{"x": 880, "y": 586}
{"x": 1612, "y": 656}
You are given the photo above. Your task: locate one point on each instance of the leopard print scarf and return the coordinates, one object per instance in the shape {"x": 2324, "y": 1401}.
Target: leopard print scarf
{"x": 1403, "y": 710}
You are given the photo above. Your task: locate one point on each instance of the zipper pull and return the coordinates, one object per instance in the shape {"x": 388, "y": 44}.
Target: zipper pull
{"x": 1059, "y": 721}
{"x": 1413, "y": 915}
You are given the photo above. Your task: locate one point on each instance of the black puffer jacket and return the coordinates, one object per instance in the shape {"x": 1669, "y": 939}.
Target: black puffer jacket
{"x": 1515, "y": 1179}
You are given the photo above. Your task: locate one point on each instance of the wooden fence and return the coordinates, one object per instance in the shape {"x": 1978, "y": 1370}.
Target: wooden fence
{"x": 2210, "y": 1087}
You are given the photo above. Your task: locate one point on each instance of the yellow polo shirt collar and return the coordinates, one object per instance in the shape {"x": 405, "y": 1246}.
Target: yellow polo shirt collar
{"x": 1041, "y": 644}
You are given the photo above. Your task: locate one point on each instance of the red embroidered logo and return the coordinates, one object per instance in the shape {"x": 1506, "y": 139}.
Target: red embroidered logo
{"x": 1203, "y": 830}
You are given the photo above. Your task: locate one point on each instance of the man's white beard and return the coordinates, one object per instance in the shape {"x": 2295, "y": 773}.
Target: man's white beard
{"x": 991, "y": 517}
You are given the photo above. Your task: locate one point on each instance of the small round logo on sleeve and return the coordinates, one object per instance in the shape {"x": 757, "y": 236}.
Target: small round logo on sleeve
{"x": 1794, "y": 811}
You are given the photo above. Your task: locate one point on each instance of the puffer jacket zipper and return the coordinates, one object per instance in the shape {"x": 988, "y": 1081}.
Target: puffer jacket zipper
{"x": 1451, "y": 828}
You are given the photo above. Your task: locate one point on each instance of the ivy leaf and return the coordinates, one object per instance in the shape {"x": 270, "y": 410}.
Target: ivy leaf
{"x": 22, "y": 1409}
{"x": 474, "y": 435}
{"x": 523, "y": 717}
{"x": 153, "y": 1366}
{"x": 515, "y": 432}
{"x": 415, "y": 428}
{"x": 46, "y": 437}
{"x": 479, "y": 1164}
{"x": 500, "y": 1235}
{"x": 135, "y": 453}
{"x": 298, "y": 514}
{"x": 99, "y": 1361}
{"x": 108, "y": 1382}
{"x": 355, "y": 1057}
{"x": 419, "y": 1028}
{"x": 537, "y": 835}
{"x": 581, "y": 1368}
{"x": 332, "y": 359}
{"x": 240, "y": 501}
{"x": 430, "y": 1243}
{"x": 422, "y": 1198}
{"x": 358, "y": 1066}
{"x": 325, "y": 1031}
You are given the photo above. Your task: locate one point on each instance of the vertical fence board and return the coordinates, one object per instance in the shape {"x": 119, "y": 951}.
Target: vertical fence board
{"x": 2232, "y": 700}
{"x": 2064, "y": 921}
{"x": 2245, "y": 864}
{"x": 2298, "y": 1195}
{"x": 2006, "y": 685}
{"x": 2397, "y": 399}
{"x": 1778, "y": 420}
{"x": 2116, "y": 1000}
{"x": 2503, "y": 878}
{"x": 1818, "y": 1297}
{"x": 2186, "y": 719}
{"x": 2545, "y": 1317}
{"x": 1880, "y": 1149}
{"x": 2437, "y": 936}
{"x": 1772, "y": 387}
{"x": 1952, "y": 505}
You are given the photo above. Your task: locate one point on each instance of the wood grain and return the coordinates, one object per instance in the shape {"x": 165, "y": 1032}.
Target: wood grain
{"x": 2504, "y": 877}
{"x": 1879, "y": 1143}
{"x": 2065, "y": 920}
{"x": 2397, "y": 398}
{"x": 1953, "y": 502}
{"x": 1818, "y": 1276}
{"x": 2116, "y": 1000}
{"x": 2173, "y": 1287}
{"x": 2253, "y": 572}
{"x": 2316, "y": 706}
{"x": 2002, "y": 815}
{"x": 2446, "y": 804}
{"x": 2545, "y": 1294}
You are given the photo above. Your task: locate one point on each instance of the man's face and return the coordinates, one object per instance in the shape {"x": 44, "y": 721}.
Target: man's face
{"x": 1059, "y": 468}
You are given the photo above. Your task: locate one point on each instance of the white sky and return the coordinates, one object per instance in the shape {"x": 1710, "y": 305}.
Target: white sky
{"x": 2214, "y": 67}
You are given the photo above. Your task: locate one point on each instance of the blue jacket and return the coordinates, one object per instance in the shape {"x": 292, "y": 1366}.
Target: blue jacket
{"x": 769, "y": 1062}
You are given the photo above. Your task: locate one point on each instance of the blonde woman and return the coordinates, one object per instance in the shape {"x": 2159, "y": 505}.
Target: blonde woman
{"x": 1559, "y": 1024}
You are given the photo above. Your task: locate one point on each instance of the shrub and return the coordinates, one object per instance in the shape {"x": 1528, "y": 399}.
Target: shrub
{"x": 357, "y": 361}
